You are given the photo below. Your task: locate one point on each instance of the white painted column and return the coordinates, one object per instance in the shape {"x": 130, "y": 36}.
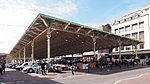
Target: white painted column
{"x": 48, "y": 40}
{"x": 48, "y": 48}
{"x": 24, "y": 54}
{"x": 119, "y": 50}
{"x": 136, "y": 50}
{"x": 94, "y": 47}
{"x": 19, "y": 57}
{"x": 32, "y": 55}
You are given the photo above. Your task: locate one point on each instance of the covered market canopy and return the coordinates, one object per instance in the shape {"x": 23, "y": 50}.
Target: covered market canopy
{"x": 65, "y": 38}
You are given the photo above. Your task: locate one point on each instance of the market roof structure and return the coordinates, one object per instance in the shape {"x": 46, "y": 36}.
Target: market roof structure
{"x": 66, "y": 37}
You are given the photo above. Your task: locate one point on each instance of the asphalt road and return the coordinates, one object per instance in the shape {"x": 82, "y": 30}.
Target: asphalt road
{"x": 123, "y": 76}
{"x": 137, "y": 76}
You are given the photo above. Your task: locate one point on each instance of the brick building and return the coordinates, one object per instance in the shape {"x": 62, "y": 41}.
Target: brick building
{"x": 2, "y": 57}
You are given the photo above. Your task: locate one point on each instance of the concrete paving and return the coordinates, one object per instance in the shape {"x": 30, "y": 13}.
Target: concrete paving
{"x": 109, "y": 78}
{"x": 136, "y": 75}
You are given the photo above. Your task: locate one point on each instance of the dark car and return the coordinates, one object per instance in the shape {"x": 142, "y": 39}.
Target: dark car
{"x": 148, "y": 61}
{"x": 13, "y": 66}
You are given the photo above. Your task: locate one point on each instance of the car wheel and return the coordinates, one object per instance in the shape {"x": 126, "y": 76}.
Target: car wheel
{"x": 20, "y": 69}
{"x": 30, "y": 70}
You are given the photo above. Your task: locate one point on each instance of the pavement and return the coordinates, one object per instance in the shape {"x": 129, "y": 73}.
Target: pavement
{"x": 17, "y": 77}
{"x": 131, "y": 75}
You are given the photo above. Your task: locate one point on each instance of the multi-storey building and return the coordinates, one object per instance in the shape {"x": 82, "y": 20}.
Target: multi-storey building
{"x": 135, "y": 25}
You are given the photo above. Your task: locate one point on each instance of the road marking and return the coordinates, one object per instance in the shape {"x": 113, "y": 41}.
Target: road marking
{"x": 132, "y": 78}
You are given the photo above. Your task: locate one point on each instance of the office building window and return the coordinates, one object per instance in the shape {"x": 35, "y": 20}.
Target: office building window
{"x": 116, "y": 31}
{"x": 121, "y": 30}
{"x": 127, "y": 35}
{"x": 147, "y": 9}
{"x": 134, "y": 35}
{"x": 134, "y": 26}
{"x": 128, "y": 48}
{"x": 122, "y": 47}
{"x": 141, "y": 45}
{"x": 135, "y": 16}
{"x": 141, "y": 38}
{"x": 128, "y": 19}
{"x": 116, "y": 49}
{"x": 141, "y": 24}
{"x": 127, "y": 28}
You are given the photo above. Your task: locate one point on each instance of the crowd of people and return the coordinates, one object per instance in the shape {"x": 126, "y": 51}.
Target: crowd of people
{"x": 102, "y": 62}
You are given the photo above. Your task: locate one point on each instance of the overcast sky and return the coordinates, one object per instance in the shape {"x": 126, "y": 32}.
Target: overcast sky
{"x": 17, "y": 15}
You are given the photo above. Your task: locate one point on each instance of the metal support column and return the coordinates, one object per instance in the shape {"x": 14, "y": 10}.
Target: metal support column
{"x": 19, "y": 57}
{"x": 119, "y": 54}
{"x": 48, "y": 26}
{"x": 137, "y": 61}
{"x": 136, "y": 50}
{"x": 32, "y": 55}
{"x": 119, "y": 50}
{"x": 48, "y": 48}
{"x": 24, "y": 54}
{"x": 72, "y": 66}
{"x": 132, "y": 56}
{"x": 14, "y": 60}
{"x": 94, "y": 47}
{"x": 49, "y": 30}
{"x": 48, "y": 44}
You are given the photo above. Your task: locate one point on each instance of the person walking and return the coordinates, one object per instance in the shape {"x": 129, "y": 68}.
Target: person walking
{"x": 137, "y": 59}
{"x": 1, "y": 71}
{"x": 43, "y": 68}
{"x": 3, "y": 67}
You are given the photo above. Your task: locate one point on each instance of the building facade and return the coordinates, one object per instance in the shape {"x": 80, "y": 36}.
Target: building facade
{"x": 107, "y": 28}
{"x": 137, "y": 26}
{"x": 2, "y": 57}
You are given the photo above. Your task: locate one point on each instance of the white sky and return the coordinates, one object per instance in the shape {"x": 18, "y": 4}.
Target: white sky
{"x": 17, "y": 15}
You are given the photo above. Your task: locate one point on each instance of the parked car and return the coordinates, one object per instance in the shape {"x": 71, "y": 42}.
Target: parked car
{"x": 9, "y": 65}
{"x": 32, "y": 68}
{"x": 23, "y": 65}
{"x": 13, "y": 66}
{"x": 55, "y": 68}
{"x": 75, "y": 67}
{"x": 148, "y": 61}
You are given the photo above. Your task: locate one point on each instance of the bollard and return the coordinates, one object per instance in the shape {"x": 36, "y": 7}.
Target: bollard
{"x": 133, "y": 64}
{"x": 142, "y": 63}
{"x": 127, "y": 64}
{"x": 88, "y": 68}
{"x": 111, "y": 66}
{"x": 120, "y": 65}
